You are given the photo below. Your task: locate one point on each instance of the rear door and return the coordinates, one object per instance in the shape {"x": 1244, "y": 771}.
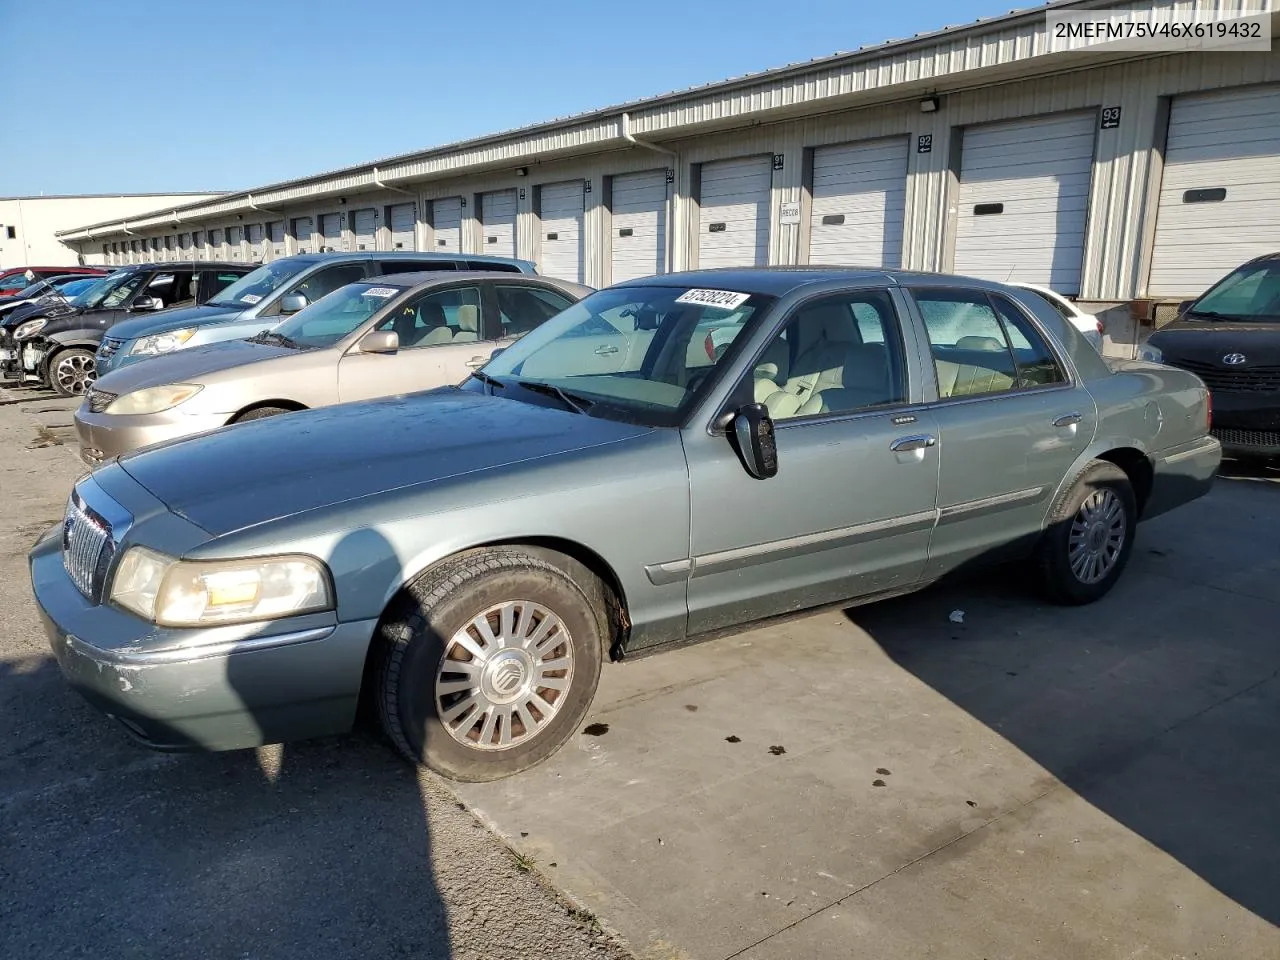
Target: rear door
{"x": 439, "y": 333}
{"x": 1010, "y": 423}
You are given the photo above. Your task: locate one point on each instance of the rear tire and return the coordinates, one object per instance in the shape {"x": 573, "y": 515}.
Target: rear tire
{"x": 260, "y": 413}
{"x": 72, "y": 372}
{"x": 1090, "y": 536}
{"x": 487, "y": 665}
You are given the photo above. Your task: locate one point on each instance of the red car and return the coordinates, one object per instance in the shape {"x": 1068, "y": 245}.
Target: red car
{"x": 15, "y": 278}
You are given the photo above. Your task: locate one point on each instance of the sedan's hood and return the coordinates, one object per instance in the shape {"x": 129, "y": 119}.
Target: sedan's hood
{"x": 1210, "y": 341}
{"x": 189, "y": 366}
{"x": 265, "y": 470}
{"x": 31, "y": 311}
{"x": 172, "y": 320}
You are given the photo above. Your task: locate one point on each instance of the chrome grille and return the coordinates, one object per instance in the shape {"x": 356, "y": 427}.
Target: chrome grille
{"x": 1247, "y": 438}
{"x": 99, "y": 400}
{"x": 86, "y": 539}
{"x": 1257, "y": 379}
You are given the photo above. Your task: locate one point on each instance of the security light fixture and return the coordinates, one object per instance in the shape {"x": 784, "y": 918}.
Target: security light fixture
{"x": 522, "y": 171}
{"x": 929, "y": 105}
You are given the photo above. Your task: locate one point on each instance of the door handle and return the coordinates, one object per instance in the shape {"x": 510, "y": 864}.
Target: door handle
{"x": 907, "y": 444}
{"x": 605, "y": 349}
{"x": 475, "y": 363}
{"x": 1068, "y": 420}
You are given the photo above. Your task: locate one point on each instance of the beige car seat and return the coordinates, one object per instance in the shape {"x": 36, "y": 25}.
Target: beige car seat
{"x": 468, "y": 324}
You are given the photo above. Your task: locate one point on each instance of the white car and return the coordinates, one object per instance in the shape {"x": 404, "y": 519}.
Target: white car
{"x": 1086, "y": 323}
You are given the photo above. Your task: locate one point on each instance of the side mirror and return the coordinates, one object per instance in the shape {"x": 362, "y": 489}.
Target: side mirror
{"x": 1184, "y": 306}
{"x": 496, "y": 352}
{"x": 379, "y": 341}
{"x": 751, "y": 432}
{"x": 293, "y": 302}
{"x": 147, "y": 303}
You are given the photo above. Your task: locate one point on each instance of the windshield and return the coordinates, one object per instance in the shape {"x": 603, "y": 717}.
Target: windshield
{"x": 76, "y": 287}
{"x": 257, "y": 285}
{"x": 95, "y": 294}
{"x": 336, "y": 316}
{"x": 1251, "y": 292}
{"x": 631, "y": 353}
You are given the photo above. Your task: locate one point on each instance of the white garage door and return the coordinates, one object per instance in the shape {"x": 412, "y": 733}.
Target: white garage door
{"x": 859, "y": 198}
{"x": 330, "y": 232}
{"x": 303, "y": 231}
{"x": 733, "y": 219}
{"x": 446, "y": 218}
{"x": 560, "y": 211}
{"x": 201, "y": 248}
{"x": 403, "y": 217}
{"x": 275, "y": 237}
{"x": 1220, "y": 199}
{"x": 498, "y": 223}
{"x": 184, "y": 246}
{"x": 1024, "y": 200}
{"x": 364, "y": 224}
{"x": 235, "y": 239}
{"x": 170, "y": 247}
{"x": 218, "y": 244}
{"x": 257, "y": 246}
{"x": 639, "y": 241}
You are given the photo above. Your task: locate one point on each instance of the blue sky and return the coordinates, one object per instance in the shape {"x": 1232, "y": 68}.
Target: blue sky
{"x": 150, "y": 96}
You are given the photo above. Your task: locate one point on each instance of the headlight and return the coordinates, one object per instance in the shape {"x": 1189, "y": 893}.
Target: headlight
{"x": 162, "y": 342}
{"x": 197, "y": 593}
{"x": 153, "y": 399}
{"x": 29, "y": 329}
{"x": 1150, "y": 354}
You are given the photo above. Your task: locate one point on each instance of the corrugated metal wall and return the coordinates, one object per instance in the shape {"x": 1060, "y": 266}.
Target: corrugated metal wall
{"x": 1124, "y": 182}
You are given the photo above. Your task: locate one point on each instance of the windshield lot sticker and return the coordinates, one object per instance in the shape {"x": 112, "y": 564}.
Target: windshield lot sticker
{"x": 250, "y": 298}
{"x": 719, "y": 299}
{"x": 381, "y": 292}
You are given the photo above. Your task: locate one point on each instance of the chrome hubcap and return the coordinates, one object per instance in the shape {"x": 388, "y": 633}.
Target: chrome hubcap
{"x": 504, "y": 675}
{"x": 74, "y": 373}
{"x": 1097, "y": 536}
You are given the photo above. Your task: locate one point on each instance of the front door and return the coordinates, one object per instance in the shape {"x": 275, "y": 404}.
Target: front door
{"x": 851, "y": 508}
{"x": 1011, "y": 423}
{"x": 440, "y": 342}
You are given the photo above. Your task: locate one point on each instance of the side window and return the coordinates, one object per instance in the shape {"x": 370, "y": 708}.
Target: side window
{"x": 414, "y": 266}
{"x": 213, "y": 282}
{"x": 437, "y": 318}
{"x": 493, "y": 266}
{"x": 521, "y": 309}
{"x": 840, "y": 354}
{"x": 969, "y": 349}
{"x": 171, "y": 288}
{"x": 1037, "y": 366}
{"x": 324, "y": 282}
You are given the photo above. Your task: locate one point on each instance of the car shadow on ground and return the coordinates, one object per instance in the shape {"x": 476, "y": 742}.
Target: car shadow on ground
{"x": 314, "y": 849}
{"x": 1164, "y": 717}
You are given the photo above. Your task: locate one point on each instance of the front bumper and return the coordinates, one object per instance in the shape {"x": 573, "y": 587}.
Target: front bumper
{"x": 1182, "y": 474}
{"x": 218, "y": 688}
{"x": 104, "y": 436}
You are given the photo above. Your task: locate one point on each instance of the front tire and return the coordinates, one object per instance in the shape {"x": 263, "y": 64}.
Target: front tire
{"x": 72, "y": 372}
{"x": 1090, "y": 536}
{"x": 260, "y": 413}
{"x": 487, "y": 665}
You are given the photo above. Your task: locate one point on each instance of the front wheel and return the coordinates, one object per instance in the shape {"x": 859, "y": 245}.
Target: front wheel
{"x": 488, "y": 664}
{"x": 72, "y": 372}
{"x": 1090, "y": 535}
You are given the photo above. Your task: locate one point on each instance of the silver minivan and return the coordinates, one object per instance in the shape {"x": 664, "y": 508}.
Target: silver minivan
{"x": 264, "y": 298}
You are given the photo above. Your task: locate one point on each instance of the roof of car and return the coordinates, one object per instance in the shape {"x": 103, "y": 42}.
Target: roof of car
{"x": 188, "y": 265}
{"x": 418, "y": 256}
{"x": 428, "y": 277}
{"x": 776, "y": 281}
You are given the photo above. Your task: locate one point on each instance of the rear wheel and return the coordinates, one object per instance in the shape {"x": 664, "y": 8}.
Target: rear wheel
{"x": 72, "y": 372}
{"x": 488, "y": 664}
{"x": 1090, "y": 535}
